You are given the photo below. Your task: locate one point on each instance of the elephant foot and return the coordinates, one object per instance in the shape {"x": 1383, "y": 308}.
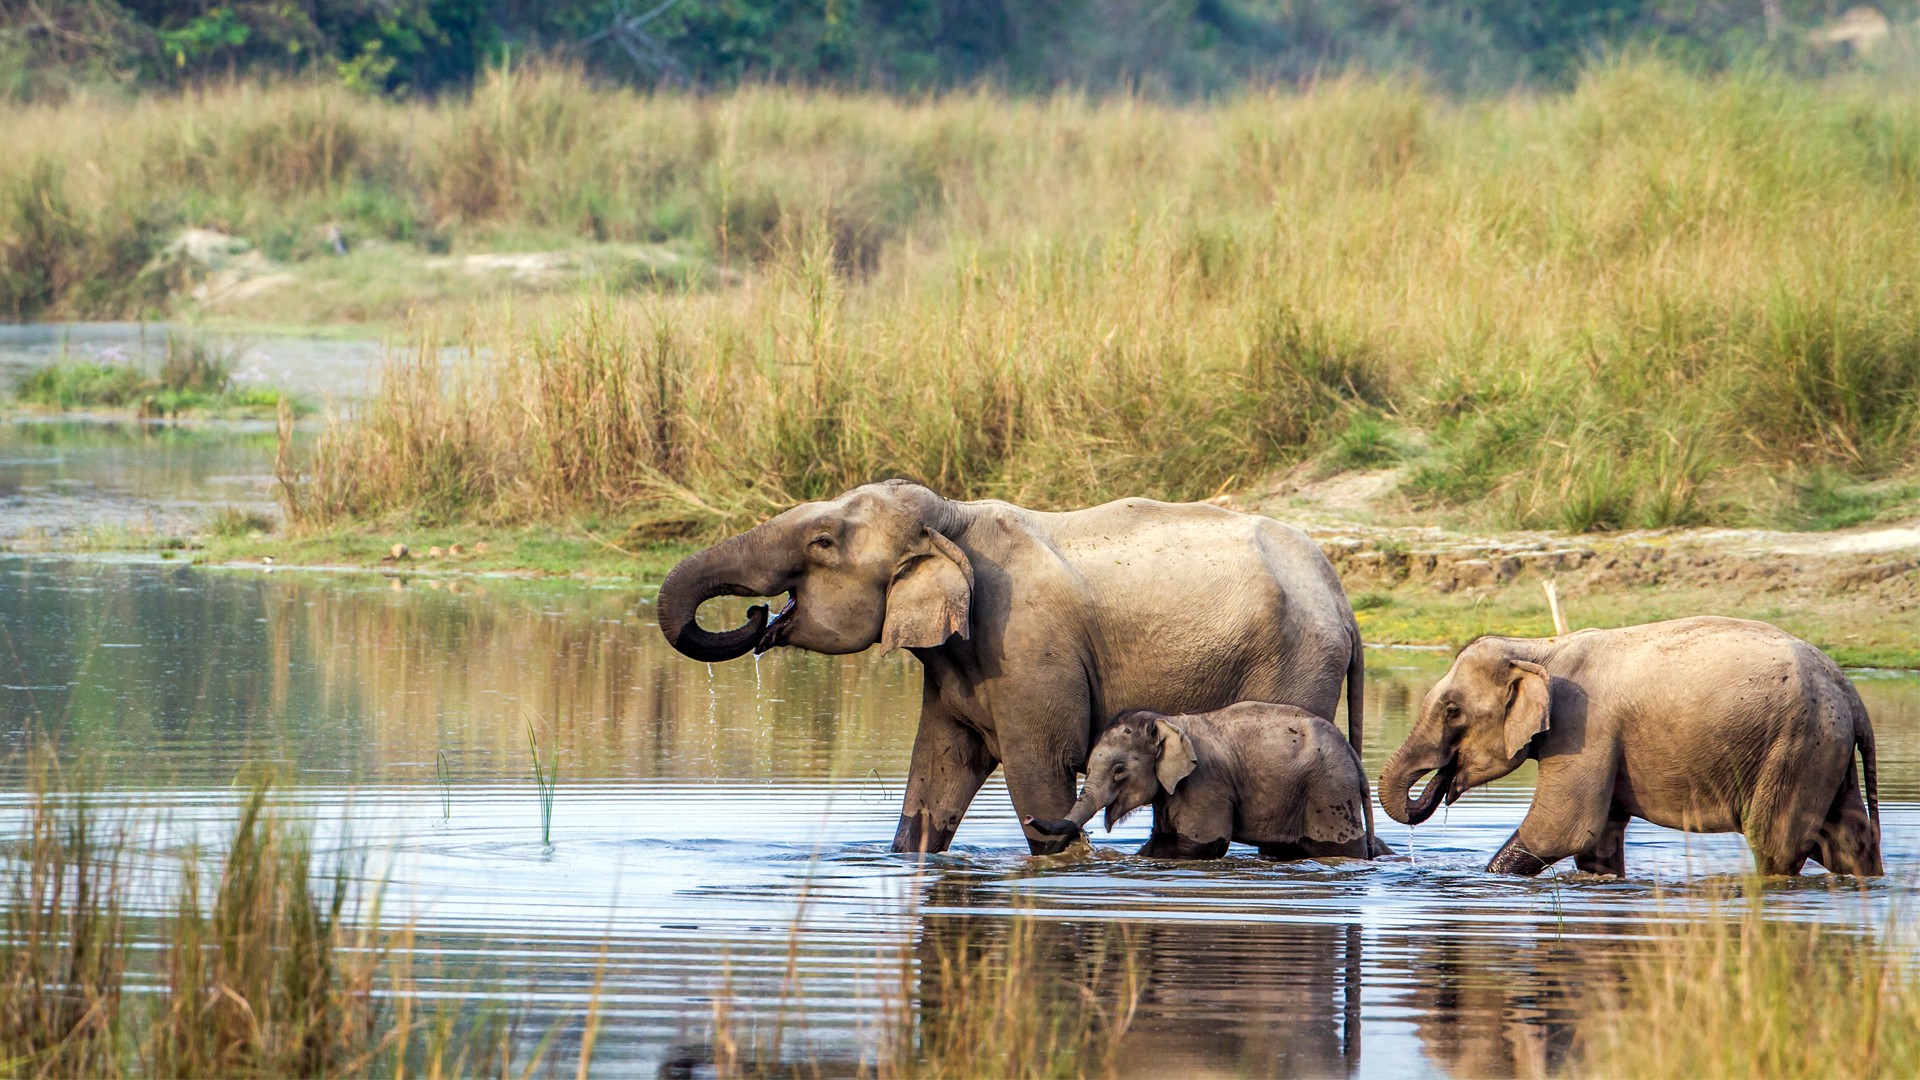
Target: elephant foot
{"x": 916, "y": 834}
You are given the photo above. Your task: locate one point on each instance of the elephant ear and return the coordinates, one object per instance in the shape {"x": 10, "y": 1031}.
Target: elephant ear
{"x": 931, "y": 596}
{"x": 1529, "y": 696}
{"x": 1176, "y": 755}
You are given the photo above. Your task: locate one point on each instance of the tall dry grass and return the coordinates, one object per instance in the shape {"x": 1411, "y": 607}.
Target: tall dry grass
{"x": 1655, "y": 299}
{"x": 279, "y": 967}
{"x": 1734, "y": 993}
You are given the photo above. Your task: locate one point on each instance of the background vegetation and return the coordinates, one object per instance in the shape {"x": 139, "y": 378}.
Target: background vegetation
{"x": 53, "y": 47}
{"x": 1655, "y": 300}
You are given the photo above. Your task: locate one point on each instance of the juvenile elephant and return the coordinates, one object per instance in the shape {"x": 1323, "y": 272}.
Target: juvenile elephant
{"x": 1033, "y": 628}
{"x": 1705, "y": 724}
{"x": 1274, "y": 776}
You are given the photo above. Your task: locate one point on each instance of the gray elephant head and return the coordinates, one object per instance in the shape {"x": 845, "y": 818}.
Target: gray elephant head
{"x": 1140, "y": 756}
{"x": 1476, "y": 726}
{"x": 871, "y": 566}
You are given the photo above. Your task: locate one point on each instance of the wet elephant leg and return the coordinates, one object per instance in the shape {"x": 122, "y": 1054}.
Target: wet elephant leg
{"x": 1542, "y": 840}
{"x": 1608, "y": 855}
{"x": 950, "y": 762}
{"x": 1572, "y": 803}
{"x": 1174, "y": 846}
{"x": 1042, "y": 751}
{"x": 1847, "y": 843}
{"x": 1304, "y": 848}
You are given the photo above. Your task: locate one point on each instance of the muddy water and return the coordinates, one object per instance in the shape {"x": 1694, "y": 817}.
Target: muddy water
{"x": 708, "y": 819}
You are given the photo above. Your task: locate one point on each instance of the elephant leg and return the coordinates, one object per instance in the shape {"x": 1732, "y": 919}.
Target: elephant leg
{"x": 1544, "y": 838}
{"x": 1847, "y": 843}
{"x": 1041, "y": 754}
{"x": 1572, "y": 803}
{"x": 1785, "y": 816}
{"x": 1608, "y": 855}
{"x": 1305, "y": 848}
{"x": 950, "y": 762}
{"x": 1174, "y": 846}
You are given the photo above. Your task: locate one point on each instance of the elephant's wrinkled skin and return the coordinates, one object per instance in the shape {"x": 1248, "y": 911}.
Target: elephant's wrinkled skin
{"x": 1033, "y": 628}
{"x": 1274, "y": 776}
{"x": 1706, "y": 724}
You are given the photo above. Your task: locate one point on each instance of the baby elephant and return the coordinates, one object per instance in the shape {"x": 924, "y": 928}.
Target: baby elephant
{"x": 1708, "y": 725}
{"x": 1273, "y": 776}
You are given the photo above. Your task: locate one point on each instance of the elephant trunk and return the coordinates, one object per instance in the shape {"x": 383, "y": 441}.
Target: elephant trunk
{"x": 736, "y": 567}
{"x": 1405, "y": 768}
{"x": 1076, "y": 820}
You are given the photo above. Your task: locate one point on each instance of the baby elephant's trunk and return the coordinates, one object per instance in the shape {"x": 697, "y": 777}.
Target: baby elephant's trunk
{"x": 1075, "y": 821}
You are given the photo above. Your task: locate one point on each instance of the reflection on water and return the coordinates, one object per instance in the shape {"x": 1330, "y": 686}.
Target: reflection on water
{"x": 62, "y": 477}
{"x": 711, "y": 819}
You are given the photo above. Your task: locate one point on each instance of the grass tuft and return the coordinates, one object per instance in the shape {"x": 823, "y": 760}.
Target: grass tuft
{"x": 1737, "y": 994}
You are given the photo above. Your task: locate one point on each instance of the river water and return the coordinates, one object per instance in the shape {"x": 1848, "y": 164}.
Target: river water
{"x": 720, "y": 832}
{"x": 708, "y": 819}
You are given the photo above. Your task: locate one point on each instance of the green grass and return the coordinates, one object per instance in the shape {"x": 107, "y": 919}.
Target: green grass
{"x": 546, "y": 780}
{"x": 535, "y": 551}
{"x": 1420, "y": 615}
{"x": 1644, "y": 303}
{"x": 192, "y": 378}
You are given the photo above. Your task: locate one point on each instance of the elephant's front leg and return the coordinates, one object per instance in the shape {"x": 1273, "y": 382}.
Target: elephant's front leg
{"x": 950, "y": 762}
{"x": 1572, "y": 804}
{"x": 1040, "y": 766}
{"x": 1541, "y": 841}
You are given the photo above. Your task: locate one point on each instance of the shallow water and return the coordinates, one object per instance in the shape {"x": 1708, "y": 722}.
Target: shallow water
{"x": 65, "y": 476}
{"x": 708, "y": 818}
{"x": 316, "y": 368}
{"x": 63, "y": 479}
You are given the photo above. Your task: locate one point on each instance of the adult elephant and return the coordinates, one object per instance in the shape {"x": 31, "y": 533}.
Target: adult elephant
{"x": 1034, "y": 629}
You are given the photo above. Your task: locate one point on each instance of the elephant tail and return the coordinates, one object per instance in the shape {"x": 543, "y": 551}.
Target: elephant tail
{"x": 1356, "y": 690}
{"x": 1869, "y": 759}
{"x": 1356, "y": 717}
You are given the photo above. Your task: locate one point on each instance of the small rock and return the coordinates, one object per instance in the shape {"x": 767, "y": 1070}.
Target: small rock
{"x": 455, "y": 551}
{"x": 434, "y": 552}
{"x": 399, "y": 552}
{"x": 480, "y": 548}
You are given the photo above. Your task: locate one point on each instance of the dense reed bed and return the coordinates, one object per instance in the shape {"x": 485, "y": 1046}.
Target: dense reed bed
{"x": 1653, "y": 300}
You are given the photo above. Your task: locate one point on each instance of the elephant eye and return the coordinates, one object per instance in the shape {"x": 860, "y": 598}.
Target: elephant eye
{"x": 1452, "y": 710}
{"x": 822, "y": 542}
{"x": 1119, "y": 768}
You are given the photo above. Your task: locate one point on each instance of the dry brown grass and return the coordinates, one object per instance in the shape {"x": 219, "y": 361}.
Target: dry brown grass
{"x": 1653, "y": 300}
{"x": 1733, "y": 993}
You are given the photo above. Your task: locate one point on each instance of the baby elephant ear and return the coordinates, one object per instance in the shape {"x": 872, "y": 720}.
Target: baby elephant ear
{"x": 1176, "y": 755}
{"x": 1529, "y": 701}
{"x": 931, "y": 596}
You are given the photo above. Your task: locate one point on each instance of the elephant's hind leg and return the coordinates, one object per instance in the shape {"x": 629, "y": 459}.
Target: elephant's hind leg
{"x": 1608, "y": 855}
{"x": 1846, "y": 843}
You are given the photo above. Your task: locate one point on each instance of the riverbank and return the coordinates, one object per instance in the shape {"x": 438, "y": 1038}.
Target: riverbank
{"x": 1855, "y": 594}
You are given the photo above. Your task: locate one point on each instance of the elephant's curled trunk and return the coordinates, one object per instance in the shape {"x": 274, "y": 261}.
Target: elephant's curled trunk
{"x": 1396, "y": 788}
{"x": 722, "y": 570}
